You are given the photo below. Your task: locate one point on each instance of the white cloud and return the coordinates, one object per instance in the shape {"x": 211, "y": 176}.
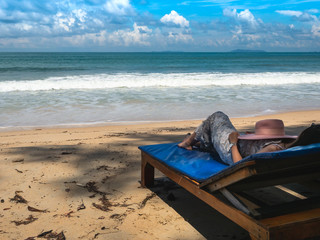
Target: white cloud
{"x": 76, "y": 18}
{"x": 23, "y": 26}
{"x": 175, "y": 18}
{"x": 65, "y": 22}
{"x": 179, "y": 37}
{"x": 247, "y": 16}
{"x": 98, "y": 39}
{"x": 313, "y": 11}
{"x": 243, "y": 16}
{"x": 290, "y": 13}
{"x": 80, "y": 14}
{"x": 316, "y": 30}
{"x": 301, "y": 16}
{"x": 118, "y": 7}
{"x": 138, "y": 36}
{"x": 230, "y": 12}
{"x": 305, "y": 17}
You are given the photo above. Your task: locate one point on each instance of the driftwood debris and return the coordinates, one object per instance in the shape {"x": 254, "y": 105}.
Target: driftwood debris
{"x": 18, "y": 160}
{"x": 28, "y": 220}
{"x": 32, "y": 209}
{"x": 18, "y": 198}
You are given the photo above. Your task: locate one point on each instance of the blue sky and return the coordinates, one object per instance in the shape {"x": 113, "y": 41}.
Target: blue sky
{"x": 144, "y": 25}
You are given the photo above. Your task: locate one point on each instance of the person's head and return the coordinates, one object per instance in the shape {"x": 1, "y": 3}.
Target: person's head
{"x": 268, "y": 129}
{"x": 308, "y": 136}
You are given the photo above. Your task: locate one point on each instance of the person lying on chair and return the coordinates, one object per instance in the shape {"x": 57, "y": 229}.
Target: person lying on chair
{"x": 218, "y": 136}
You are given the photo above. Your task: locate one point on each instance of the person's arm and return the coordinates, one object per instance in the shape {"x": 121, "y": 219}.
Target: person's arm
{"x": 270, "y": 148}
{"x": 233, "y": 139}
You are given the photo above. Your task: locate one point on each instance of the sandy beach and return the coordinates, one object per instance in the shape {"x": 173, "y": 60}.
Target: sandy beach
{"x": 83, "y": 183}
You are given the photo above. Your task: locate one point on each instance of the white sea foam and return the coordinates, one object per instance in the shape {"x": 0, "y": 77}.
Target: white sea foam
{"x": 139, "y": 80}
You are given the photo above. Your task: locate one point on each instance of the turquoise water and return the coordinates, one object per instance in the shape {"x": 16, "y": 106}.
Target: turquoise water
{"x": 48, "y": 89}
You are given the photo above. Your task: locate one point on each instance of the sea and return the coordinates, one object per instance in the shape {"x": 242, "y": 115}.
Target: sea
{"x": 76, "y": 89}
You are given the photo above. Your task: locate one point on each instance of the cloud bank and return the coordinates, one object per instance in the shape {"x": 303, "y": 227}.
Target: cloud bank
{"x": 123, "y": 25}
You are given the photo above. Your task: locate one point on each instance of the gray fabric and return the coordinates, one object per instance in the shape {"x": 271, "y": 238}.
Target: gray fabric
{"x": 213, "y": 135}
{"x": 249, "y": 147}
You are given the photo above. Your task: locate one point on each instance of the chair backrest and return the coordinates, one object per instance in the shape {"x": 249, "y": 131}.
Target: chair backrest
{"x": 268, "y": 169}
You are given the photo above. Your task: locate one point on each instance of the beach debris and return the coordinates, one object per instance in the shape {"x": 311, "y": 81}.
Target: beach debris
{"x": 104, "y": 167}
{"x": 119, "y": 217}
{"x": 105, "y": 179}
{"x": 5, "y": 209}
{"x": 18, "y": 171}
{"x": 115, "y": 216}
{"x": 18, "y": 198}
{"x": 52, "y": 235}
{"x": 32, "y": 209}
{"x": 72, "y": 182}
{"x": 81, "y": 207}
{"x": 68, "y": 214}
{"x": 28, "y": 220}
{"x": 43, "y": 234}
{"x": 2, "y": 200}
{"x": 90, "y": 186}
{"x": 146, "y": 199}
{"x": 66, "y": 152}
{"x": 18, "y": 160}
{"x": 96, "y": 235}
{"x": 105, "y": 204}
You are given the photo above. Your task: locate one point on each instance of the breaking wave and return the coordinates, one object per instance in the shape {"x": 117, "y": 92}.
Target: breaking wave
{"x": 139, "y": 80}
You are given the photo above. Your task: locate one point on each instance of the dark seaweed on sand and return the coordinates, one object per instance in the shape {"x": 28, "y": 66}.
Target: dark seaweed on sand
{"x": 18, "y": 198}
{"x": 52, "y": 235}
{"x": 147, "y": 198}
{"x": 28, "y": 220}
{"x": 105, "y": 204}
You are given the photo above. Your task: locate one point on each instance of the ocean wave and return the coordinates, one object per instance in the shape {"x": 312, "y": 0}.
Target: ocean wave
{"x": 139, "y": 80}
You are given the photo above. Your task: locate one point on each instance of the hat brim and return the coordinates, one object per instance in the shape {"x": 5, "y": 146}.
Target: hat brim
{"x": 261, "y": 137}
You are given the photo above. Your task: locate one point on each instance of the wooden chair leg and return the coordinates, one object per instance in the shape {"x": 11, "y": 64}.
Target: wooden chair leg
{"x": 147, "y": 173}
{"x": 253, "y": 237}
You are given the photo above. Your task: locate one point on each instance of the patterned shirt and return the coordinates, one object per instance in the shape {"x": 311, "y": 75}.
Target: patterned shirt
{"x": 249, "y": 147}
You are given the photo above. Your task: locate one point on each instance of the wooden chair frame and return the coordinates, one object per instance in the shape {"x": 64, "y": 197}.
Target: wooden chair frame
{"x": 301, "y": 224}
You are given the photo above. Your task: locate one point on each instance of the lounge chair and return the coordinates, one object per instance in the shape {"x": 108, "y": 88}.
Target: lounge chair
{"x": 256, "y": 193}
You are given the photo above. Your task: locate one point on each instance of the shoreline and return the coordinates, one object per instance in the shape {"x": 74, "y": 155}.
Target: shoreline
{"x": 83, "y": 182}
{"x": 130, "y": 123}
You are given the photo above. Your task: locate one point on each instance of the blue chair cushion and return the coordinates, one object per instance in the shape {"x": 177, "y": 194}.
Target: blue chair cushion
{"x": 201, "y": 165}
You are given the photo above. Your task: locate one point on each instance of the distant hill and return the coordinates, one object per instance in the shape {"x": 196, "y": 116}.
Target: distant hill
{"x": 246, "y": 50}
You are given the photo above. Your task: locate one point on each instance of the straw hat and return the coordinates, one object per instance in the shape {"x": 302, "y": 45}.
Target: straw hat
{"x": 268, "y": 129}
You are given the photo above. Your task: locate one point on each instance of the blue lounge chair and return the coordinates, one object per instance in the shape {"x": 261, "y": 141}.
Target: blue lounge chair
{"x": 231, "y": 189}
